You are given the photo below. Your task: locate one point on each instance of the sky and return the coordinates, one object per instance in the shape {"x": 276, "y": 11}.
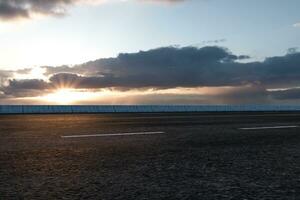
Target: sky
{"x": 149, "y": 52}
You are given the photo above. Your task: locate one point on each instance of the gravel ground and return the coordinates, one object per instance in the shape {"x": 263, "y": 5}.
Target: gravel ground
{"x": 200, "y": 156}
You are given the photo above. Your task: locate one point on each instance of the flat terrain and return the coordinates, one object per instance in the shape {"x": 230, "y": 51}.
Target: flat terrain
{"x": 161, "y": 156}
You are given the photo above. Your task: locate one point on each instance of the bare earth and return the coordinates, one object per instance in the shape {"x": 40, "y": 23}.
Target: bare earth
{"x": 200, "y": 156}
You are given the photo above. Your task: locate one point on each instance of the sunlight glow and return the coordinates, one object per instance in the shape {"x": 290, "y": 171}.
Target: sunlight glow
{"x": 68, "y": 96}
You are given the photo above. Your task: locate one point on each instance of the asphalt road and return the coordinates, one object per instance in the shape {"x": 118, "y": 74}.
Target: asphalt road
{"x": 150, "y": 156}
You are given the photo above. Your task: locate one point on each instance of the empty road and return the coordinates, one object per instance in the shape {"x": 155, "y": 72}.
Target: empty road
{"x": 150, "y": 156}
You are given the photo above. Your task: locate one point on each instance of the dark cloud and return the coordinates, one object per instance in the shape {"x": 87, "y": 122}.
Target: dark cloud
{"x": 280, "y": 71}
{"x": 20, "y": 9}
{"x": 14, "y": 9}
{"x": 172, "y": 67}
{"x": 166, "y": 67}
{"x": 186, "y": 67}
{"x": 10, "y": 11}
{"x": 286, "y": 94}
{"x": 25, "y": 88}
{"x": 292, "y": 50}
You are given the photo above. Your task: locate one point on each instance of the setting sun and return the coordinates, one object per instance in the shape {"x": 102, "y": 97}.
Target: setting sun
{"x": 67, "y": 96}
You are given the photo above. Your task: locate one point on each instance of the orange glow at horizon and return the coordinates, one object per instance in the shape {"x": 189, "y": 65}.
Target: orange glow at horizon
{"x": 67, "y": 96}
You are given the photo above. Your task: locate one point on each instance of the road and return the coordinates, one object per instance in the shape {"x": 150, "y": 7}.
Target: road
{"x": 150, "y": 156}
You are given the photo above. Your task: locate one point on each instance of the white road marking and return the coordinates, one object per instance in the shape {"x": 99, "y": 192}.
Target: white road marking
{"x": 113, "y": 134}
{"x": 269, "y": 127}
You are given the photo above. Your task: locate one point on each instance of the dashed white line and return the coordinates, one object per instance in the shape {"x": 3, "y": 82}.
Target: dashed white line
{"x": 113, "y": 134}
{"x": 269, "y": 127}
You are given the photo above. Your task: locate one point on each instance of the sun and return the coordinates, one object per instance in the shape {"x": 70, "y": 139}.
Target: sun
{"x": 67, "y": 96}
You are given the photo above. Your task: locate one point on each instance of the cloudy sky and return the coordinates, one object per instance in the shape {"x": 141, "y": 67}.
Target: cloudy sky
{"x": 149, "y": 52}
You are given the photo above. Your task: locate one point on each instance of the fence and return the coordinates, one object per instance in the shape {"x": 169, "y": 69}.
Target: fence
{"x": 36, "y": 109}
